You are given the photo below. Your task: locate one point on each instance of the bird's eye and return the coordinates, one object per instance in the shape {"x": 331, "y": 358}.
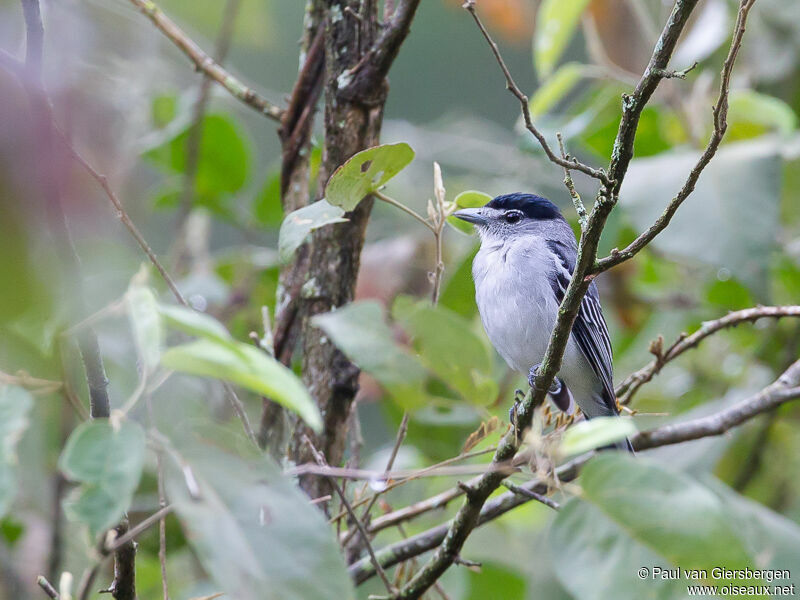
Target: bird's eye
{"x": 512, "y": 216}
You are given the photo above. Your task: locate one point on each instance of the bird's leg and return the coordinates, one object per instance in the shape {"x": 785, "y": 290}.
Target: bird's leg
{"x": 555, "y": 387}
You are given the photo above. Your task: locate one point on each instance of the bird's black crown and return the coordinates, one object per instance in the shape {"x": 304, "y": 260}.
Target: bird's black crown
{"x": 531, "y": 205}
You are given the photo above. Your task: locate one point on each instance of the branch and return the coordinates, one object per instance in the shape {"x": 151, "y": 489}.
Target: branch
{"x": 634, "y": 381}
{"x": 633, "y": 104}
{"x": 124, "y": 218}
{"x": 195, "y": 134}
{"x": 524, "y": 102}
{"x": 786, "y": 388}
{"x": 47, "y": 587}
{"x": 123, "y": 586}
{"x": 720, "y": 114}
{"x": 366, "y": 78}
{"x": 203, "y": 62}
{"x": 428, "y": 540}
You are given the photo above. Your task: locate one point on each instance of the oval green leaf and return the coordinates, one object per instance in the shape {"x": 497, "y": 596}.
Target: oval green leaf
{"x": 553, "y": 90}
{"x": 107, "y": 461}
{"x": 599, "y": 432}
{"x": 248, "y": 367}
{"x": 468, "y": 199}
{"x": 299, "y": 223}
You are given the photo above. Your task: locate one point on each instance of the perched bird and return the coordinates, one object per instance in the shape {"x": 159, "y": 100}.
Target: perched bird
{"x": 525, "y": 262}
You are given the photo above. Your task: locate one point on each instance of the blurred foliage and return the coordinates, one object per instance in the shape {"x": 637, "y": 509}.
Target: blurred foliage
{"x": 728, "y": 501}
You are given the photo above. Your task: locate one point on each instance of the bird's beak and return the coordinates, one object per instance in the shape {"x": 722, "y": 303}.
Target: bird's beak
{"x": 471, "y": 215}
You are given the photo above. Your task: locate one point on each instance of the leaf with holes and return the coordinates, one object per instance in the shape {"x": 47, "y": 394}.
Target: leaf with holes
{"x": 299, "y": 223}
{"x": 366, "y": 172}
{"x": 107, "y": 461}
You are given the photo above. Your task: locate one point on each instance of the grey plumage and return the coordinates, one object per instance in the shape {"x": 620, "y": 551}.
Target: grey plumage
{"x": 525, "y": 262}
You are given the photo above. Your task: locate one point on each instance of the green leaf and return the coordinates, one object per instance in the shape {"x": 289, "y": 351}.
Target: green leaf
{"x": 107, "y": 461}
{"x": 738, "y": 193}
{"x": 163, "y": 109}
{"x": 248, "y": 367}
{"x": 193, "y": 322}
{"x": 468, "y": 199}
{"x": 254, "y": 531}
{"x": 223, "y": 157}
{"x": 148, "y": 333}
{"x": 555, "y": 87}
{"x": 599, "y": 432}
{"x": 299, "y": 223}
{"x": 672, "y": 514}
{"x": 360, "y": 331}
{"x": 458, "y": 291}
{"x": 15, "y": 404}
{"x": 365, "y": 172}
{"x": 448, "y": 347}
{"x": 637, "y": 514}
{"x": 751, "y": 114}
{"x": 555, "y": 23}
{"x": 267, "y": 209}
{"x": 496, "y": 580}
{"x": 595, "y": 559}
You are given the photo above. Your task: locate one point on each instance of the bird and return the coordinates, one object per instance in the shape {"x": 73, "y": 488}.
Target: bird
{"x": 525, "y": 262}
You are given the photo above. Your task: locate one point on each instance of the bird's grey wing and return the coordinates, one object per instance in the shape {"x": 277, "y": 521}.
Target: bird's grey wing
{"x": 589, "y": 330}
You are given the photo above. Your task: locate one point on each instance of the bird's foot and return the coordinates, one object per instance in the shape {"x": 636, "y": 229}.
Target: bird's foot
{"x": 555, "y": 387}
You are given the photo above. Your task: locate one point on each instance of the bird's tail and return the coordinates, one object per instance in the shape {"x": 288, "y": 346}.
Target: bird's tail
{"x": 624, "y": 445}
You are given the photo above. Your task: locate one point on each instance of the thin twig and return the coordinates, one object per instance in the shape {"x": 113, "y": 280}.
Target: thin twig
{"x": 389, "y": 200}
{"x": 374, "y": 475}
{"x": 720, "y": 114}
{"x": 203, "y": 62}
{"x": 626, "y": 390}
{"x": 524, "y": 101}
{"x": 364, "y": 535}
{"x": 784, "y": 389}
{"x": 47, "y": 587}
{"x": 162, "y": 504}
{"x": 576, "y": 198}
{"x": 401, "y": 435}
{"x": 123, "y": 216}
{"x": 142, "y": 526}
{"x": 532, "y": 495}
{"x": 373, "y": 526}
{"x": 195, "y": 133}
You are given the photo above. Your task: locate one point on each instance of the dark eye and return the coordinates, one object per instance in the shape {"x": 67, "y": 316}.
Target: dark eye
{"x": 513, "y": 216}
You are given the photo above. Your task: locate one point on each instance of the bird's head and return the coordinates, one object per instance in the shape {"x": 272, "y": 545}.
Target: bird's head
{"x": 512, "y": 215}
